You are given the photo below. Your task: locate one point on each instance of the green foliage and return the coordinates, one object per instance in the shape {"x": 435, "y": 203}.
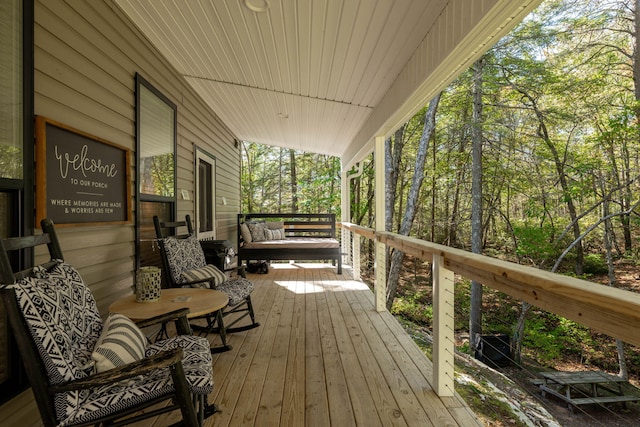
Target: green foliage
{"x": 414, "y": 308}
{"x": 461, "y": 297}
{"x": 595, "y": 264}
{"x": 535, "y": 243}
{"x": 549, "y": 337}
{"x": 275, "y": 179}
{"x": 10, "y": 161}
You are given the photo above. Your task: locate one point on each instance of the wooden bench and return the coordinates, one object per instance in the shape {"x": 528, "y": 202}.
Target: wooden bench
{"x": 306, "y": 237}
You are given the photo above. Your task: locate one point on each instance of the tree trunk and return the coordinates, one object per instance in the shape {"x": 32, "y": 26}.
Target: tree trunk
{"x": 626, "y": 220}
{"x": 393, "y": 154}
{"x": 543, "y": 133}
{"x": 475, "y": 314}
{"x": 294, "y": 182}
{"x": 280, "y": 180}
{"x": 433, "y": 195}
{"x": 518, "y": 333}
{"x": 608, "y": 239}
{"x": 249, "y": 166}
{"x": 412, "y": 198}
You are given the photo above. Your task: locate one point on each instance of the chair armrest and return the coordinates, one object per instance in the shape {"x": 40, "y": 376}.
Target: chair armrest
{"x": 159, "y": 360}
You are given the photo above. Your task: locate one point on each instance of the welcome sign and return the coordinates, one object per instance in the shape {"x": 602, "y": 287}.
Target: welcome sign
{"x": 80, "y": 178}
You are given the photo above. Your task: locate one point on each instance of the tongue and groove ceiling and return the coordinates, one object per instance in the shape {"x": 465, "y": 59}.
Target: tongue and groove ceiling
{"x": 322, "y": 76}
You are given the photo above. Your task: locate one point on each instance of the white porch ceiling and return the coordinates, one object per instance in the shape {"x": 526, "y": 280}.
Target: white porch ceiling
{"x": 309, "y": 74}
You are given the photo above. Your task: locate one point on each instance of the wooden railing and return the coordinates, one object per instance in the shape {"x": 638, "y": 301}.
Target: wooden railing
{"x": 612, "y": 311}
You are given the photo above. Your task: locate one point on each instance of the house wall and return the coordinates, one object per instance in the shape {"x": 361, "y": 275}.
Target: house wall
{"x": 86, "y": 56}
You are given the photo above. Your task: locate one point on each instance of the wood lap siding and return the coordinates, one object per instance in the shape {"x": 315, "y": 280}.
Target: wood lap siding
{"x": 86, "y": 58}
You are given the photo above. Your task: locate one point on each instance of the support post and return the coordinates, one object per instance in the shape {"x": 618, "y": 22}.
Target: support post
{"x": 345, "y": 209}
{"x": 381, "y": 249}
{"x": 443, "y": 333}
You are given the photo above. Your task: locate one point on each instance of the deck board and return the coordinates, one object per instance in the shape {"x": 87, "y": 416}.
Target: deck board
{"x": 324, "y": 357}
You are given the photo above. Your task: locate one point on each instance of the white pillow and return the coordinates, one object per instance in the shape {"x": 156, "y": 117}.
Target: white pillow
{"x": 274, "y": 234}
{"x": 278, "y": 234}
{"x": 121, "y": 342}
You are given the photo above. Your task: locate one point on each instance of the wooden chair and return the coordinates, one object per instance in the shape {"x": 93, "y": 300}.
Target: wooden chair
{"x": 184, "y": 264}
{"x": 78, "y": 372}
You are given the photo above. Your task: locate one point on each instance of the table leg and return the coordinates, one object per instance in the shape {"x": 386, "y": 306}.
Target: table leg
{"x": 568, "y": 394}
{"x": 223, "y": 334}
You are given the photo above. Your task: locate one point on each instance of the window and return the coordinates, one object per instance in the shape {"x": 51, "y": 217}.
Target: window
{"x": 16, "y": 161}
{"x": 155, "y": 165}
{"x": 205, "y": 195}
{"x": 156, "y": 144}
{"x": 11, "y": 95}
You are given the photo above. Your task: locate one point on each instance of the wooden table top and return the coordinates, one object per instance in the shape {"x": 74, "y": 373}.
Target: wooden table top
{"x": 201, "y": 301}
{"x": 581, "y": 377}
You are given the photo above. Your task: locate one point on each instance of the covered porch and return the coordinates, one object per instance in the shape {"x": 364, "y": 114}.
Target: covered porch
{"x": 323, "y": 356}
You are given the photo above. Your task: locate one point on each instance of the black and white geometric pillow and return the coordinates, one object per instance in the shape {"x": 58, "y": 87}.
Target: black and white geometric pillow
{"x": 183, "y": 255}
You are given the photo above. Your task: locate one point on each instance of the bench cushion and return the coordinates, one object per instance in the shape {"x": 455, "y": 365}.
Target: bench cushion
{"x": 294, "y": 243}
{"x": 63, "y": 319}
{"x": 236, "y": 289}
{"x": 109, "y": 399}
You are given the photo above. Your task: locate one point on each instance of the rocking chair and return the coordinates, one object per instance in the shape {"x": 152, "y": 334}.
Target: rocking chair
{"x": 84, "y": 371}
{"x": 184, "y": 264}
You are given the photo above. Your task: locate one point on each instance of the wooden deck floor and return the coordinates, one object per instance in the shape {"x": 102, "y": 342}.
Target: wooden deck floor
{"x": 323, "y": 356}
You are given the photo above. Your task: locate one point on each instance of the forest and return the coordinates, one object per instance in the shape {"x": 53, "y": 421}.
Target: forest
{"x": 531, "y": 155}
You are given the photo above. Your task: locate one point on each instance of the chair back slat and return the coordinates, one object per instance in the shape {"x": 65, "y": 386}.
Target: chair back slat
{"x": 30, "y": 352}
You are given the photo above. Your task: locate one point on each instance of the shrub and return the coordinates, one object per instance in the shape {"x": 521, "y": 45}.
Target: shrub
{"x": 595, "y": 264}
{"x": 412, "y": 307}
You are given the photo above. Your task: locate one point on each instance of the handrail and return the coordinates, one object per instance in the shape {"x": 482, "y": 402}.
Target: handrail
{"x": 613, "y": 311}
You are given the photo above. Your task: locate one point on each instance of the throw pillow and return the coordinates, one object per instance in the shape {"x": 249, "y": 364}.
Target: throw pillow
{"x": 245, "y": 233}
{"x": 183, "y": 255}
{"x": 268, "y": 235}
{"x": 208, "y": 272}
{"x": 257, "y": 231}
{"x": 274, "y": 225}
{"x": 274, "y": 234}
{"x": 121, "y": 342}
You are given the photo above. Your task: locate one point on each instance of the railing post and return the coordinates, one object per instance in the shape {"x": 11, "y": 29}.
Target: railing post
{"x": 355, "y": 255}
{"x": 345, "y": 244}
{"x": 443, "y": 344}
{"x": 381, "y": 276}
